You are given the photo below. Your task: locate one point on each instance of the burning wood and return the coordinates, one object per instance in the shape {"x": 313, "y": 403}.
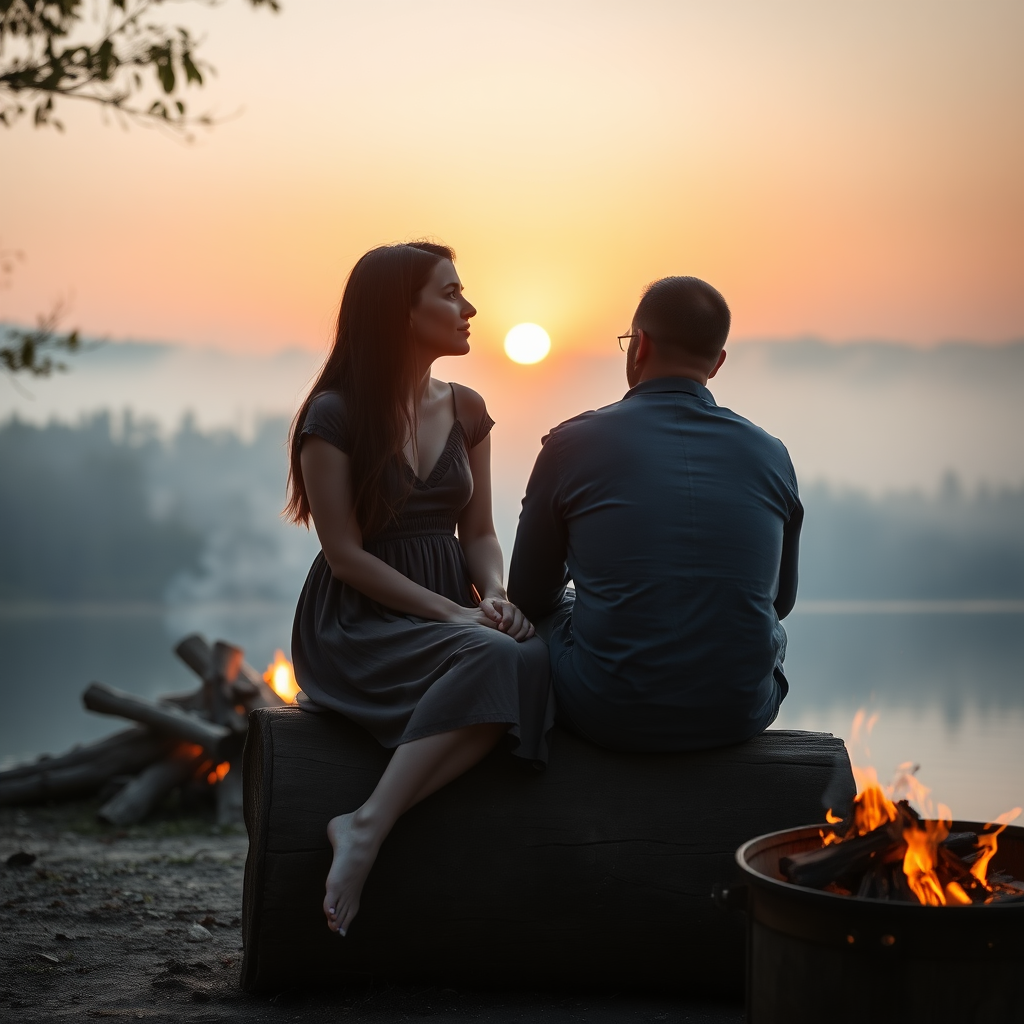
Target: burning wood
{"x": 137, "y": 799}
{"x": 193, "y": 737}
{"x": 84, "y": 769}
{"x": 885, "y": 850}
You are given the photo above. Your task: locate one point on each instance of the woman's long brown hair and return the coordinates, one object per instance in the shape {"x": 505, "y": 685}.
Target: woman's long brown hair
{"x": 372, "y": 364}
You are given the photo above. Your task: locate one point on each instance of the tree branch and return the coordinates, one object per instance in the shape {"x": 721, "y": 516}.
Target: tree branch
{"x": 108, "y": 70}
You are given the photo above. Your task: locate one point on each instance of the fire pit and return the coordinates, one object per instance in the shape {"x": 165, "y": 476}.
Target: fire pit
{"x": 813, "y": 953}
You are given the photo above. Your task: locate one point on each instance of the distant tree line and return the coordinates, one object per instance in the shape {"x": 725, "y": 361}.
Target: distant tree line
{"x": 75, "y": 517}
{"x": 953, "y": 545}
{"x": 107, "y": 510}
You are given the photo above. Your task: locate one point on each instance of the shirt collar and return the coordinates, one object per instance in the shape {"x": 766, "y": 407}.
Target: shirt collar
{"x": 661, "y": 385}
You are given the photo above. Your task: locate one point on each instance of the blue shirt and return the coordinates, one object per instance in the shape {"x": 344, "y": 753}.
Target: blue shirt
{"x": 678, "y": 522}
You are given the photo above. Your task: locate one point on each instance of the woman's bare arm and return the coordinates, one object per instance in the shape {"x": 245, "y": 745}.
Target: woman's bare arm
{"x": 476, "y": 528}
{"x": 481, "y": 547}
{"x": 327, "y": 476}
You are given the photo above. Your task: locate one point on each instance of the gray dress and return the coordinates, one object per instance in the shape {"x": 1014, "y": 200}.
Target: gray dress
{"x": 399, "y": 676}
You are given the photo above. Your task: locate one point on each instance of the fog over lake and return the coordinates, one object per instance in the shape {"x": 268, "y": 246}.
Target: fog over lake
{"x": 142, "y": 489}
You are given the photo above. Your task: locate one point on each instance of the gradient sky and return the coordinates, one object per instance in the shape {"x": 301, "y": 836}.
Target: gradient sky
{"x": 842, "y": 170}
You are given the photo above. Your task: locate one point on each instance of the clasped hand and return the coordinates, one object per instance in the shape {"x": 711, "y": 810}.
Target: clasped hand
{"x": 501, "y": 614}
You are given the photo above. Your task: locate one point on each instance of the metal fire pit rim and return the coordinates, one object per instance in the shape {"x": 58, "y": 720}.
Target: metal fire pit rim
{"x": 878, "y": 927}
{"x": 817, "y": 895}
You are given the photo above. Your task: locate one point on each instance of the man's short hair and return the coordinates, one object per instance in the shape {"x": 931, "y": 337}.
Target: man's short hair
{"x": 685, "y": 315}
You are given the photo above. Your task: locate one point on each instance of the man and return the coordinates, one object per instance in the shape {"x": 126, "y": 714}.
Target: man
{"x": 678, "y": 522}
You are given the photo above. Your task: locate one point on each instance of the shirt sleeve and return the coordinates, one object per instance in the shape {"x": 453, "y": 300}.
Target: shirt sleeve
{"x": 538, "y": 574}
{"x": 471, "y": 412}
{"x": 788, "y": 566}
{"x": 326, "y": 418}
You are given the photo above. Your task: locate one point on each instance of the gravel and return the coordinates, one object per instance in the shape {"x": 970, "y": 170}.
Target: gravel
{"x": 143, "y": 924}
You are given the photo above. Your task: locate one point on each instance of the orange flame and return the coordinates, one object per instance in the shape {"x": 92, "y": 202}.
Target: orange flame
{"x": 922, "y": 856}
{"x": 989, "y": 843}
{"x": 871, "y": 807}
{"x": 874, "y": 807}
{"x": 219, "y": 772}
{"x": 281, "y": 678}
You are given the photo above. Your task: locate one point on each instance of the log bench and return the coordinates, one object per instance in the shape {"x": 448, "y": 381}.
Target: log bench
{"x": 597, "y": 872}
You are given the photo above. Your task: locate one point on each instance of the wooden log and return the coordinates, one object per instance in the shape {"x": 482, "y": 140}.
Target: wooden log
{"x": 961, "y": 843}
{"x": 218, "y": 686}
{"x": 143, "y": 794}
{"x": 597, "y": 872}
{"x": 164, "y": 718}
{"x": 249, "y": 686}
{"x": 229, "y": 796}
{"x": 83, "y": 770}
{"x": 196, "y": 653}
{"x": 834, "y": 863}
{"x": 191, "y": 701}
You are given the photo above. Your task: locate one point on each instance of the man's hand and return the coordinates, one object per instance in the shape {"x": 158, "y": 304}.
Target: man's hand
{"x": 507, "y": 618}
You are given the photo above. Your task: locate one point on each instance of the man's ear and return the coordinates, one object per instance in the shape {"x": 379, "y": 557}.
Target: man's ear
{"x": 718, "y": 365}
{"x": 643, "y": 347}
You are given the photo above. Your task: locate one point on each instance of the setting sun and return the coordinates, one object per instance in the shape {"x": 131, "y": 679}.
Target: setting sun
{"x": 527, "y": 343}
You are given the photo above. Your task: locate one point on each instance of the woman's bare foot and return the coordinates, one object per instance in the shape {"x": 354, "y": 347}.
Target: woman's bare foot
{"x": 354, "y": 854}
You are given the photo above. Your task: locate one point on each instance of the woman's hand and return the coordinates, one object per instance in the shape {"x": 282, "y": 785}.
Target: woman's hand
{"x": 464, "y": 616}
{"x": 507, "y": 618}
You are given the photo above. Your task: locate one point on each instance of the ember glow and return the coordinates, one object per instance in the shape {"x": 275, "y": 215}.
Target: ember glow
{"x": 926, "y": 861}
{"x": 219, "y": 772}
{"x": 281, "y": 677}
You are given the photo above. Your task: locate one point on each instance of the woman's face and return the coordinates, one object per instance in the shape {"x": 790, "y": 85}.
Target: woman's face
{"x": 440, "y": 318}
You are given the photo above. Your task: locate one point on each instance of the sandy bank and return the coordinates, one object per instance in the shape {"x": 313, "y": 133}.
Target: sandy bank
{"x": 143, "y": 924}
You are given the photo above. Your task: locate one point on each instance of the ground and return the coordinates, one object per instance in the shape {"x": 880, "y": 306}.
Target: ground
{"x": 143, "y": 924}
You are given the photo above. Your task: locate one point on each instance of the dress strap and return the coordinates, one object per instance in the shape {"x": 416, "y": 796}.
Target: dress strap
{"x": 455, "y": 399}
{"x": 471, "y": 412}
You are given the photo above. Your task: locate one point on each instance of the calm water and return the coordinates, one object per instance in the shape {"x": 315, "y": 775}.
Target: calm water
{"x": 949, "y": 687}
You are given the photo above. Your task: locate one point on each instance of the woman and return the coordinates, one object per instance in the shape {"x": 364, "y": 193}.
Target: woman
{"x": 401, "y": 626}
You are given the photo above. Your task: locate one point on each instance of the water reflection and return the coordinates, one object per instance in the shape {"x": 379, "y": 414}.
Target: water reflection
{"x": 949, "y": 689}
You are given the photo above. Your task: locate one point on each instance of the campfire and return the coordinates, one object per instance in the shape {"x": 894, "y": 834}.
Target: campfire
{"x": 884, "y": 849}
{"x": 193, "y": 739}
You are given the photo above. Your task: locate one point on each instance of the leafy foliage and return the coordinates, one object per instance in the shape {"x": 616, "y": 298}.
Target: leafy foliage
{"x": 33, "y": 350}
{"x": 98, "y": 51}
{"x": 107, "y": 52}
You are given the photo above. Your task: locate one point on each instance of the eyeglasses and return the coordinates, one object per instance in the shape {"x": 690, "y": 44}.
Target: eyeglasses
{"x": 625, "y": 339}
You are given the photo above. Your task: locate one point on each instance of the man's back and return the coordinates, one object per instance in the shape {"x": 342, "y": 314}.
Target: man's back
{"x": 670, "y": 514}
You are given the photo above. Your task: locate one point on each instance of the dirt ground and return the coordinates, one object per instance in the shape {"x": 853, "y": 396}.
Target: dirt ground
{"x": 143, "y": 924}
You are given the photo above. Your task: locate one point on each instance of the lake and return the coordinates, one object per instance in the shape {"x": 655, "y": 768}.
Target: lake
{"x": 947, "y": 681}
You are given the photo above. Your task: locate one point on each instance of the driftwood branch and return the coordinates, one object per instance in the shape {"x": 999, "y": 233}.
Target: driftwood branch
{"x": 191, "y": 701}
{"x": 164, "y": 718}
{"x": 83, "y": 770}
{"x": 142, "y": 795}
{"x": 248, "y": 685}
{"x": 229, "y": 797}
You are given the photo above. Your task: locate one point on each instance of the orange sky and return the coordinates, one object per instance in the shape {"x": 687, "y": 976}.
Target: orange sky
{"x": 847, "y": 171}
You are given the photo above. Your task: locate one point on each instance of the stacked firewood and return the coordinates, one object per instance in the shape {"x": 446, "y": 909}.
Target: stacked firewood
{"x": 180, "y": 739}
{"x": 906, "y": 859}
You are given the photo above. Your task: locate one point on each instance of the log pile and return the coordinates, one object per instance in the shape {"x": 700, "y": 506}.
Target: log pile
{"x": 906, "y": 859}
{"x": 180, "y": 739}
